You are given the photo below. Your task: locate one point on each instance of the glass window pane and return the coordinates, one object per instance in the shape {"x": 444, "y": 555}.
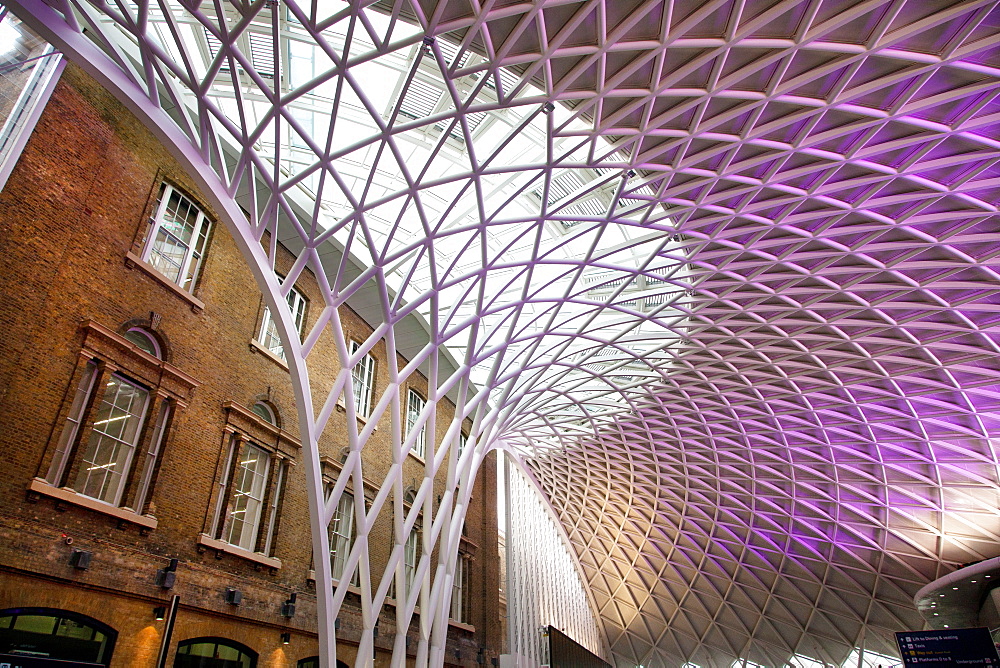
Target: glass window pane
{"x": 178, "y": 238}
{"x": 269, "y": 330}
{"x": 414, "y": 406}
{"x": 248, "y": 497}
{"x": 180, "y": 217}
{"x": 228, "y": 653}
{"x": 264, "y": 411}
{"x": 363, "y": 382}
{"x": 341, "y": 535}
{"x": 35, "y": 623}
{"x": 168, "y": 255}
{"x": 143, "y": 341}
{"x": 73, "y": 629}
{"x": 56, "y": 635}
{"x": 410, "y": 557}
{"x": 108, "y": 453}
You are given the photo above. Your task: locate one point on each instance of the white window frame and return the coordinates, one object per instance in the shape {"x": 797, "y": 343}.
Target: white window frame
{"x": 262, "y": 525}
{"x": 106, "y": 457}
{"x": 363, "y": 377}
{"x": 268, "y": 336}
{"x": 249, "y": 484}
{"x": 130, "y": 452}
{"x": 415, "y": 404}
{"x": 342, "y": 535}
{"x": 460, "y": 590}
{"x": 411, "y": 557}
{"x": 189, "y": 269}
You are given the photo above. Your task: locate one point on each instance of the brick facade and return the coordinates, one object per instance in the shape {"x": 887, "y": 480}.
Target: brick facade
{"x": 73, "y": 220}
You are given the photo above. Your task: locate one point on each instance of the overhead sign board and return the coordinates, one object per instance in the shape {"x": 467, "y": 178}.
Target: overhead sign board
{"x": 950, "y": 647}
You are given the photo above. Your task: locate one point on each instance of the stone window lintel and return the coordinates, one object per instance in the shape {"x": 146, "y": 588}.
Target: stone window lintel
{"x": 159, "y": 376}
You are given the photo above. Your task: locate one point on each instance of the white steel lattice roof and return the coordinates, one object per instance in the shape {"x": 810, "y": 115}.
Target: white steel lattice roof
{"x": 725, "y": 271}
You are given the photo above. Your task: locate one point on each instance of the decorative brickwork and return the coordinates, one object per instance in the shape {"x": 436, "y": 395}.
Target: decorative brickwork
{"x": 72, "y": 220}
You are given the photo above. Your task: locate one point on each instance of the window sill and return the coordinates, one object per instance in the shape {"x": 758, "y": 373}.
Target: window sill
{"x": 134, "y": 261}
{"x": 420, "y": 459}
{"x": 223, "y": 546}
{"x": 362, "y": 420}
{"x": 257, "y": 347}
{"x": 311, "y": 576}
{"x": 394, "y": 602}
{"x": 40, "y": 486}
{"x": 462, "y": 625}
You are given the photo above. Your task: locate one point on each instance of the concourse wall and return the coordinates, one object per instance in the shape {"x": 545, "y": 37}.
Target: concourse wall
{"x": 73, "y": 220}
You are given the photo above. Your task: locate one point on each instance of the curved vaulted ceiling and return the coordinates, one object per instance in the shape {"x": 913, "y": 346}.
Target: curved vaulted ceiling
{"x": 733, "y": 295}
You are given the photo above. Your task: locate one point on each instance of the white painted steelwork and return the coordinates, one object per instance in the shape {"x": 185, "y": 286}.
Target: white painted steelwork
{"x": 29, "y": 68}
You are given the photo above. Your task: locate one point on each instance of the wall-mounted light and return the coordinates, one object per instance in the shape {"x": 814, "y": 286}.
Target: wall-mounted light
{"x": 288, "y": 607}
{"x": 286, "y": 638}
{"x": 159, "y": 613}
{"x": 80, "y": 559}
{"x": 234, "y": 596}
{"x": 166, "y": 577}
{"x": 336, "y": 624}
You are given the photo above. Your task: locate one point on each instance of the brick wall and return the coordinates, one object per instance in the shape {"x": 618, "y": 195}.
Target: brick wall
{"x": 77, "y": 203}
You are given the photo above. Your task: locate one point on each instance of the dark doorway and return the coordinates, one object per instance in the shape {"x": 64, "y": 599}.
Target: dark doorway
{"x": 214, "y": 653}
{"x": 49, "y": 634}
{"x": 313, "y": 662}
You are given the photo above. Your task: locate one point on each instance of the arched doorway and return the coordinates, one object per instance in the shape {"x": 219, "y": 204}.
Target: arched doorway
{"x": 214, "y": 653}
{"x": 61, "y": 635}
{"x": 313, "y": 662}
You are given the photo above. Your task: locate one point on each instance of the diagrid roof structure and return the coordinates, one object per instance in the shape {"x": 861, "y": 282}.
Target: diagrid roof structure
{"x": 723, "y": 272}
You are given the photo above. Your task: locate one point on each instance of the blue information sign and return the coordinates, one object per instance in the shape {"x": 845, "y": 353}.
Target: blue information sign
{"x": 954, "y": 647}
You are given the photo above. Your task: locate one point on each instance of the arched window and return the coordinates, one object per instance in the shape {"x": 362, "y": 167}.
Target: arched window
{"x": 264, "y": 411}
{"x": 214, "y": 653}
{"x": 144, "y": 341}
{"x": 117, "y": 418}
{"x": 313, "y": 662}
{"x": 55, "y": 634}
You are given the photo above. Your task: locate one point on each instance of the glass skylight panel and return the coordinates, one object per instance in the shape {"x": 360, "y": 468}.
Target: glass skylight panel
{"x": 449, "y": 50}
{"x": 420, "y": 100}
{"x": 366, "y": 182}
{"x": 262, "y": 53}
{"x": 214, "y": 47}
